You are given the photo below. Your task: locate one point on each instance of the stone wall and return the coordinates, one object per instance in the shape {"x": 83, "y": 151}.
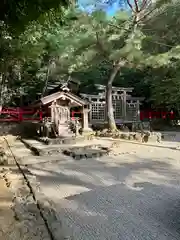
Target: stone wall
{"x": 9, "y": 129}
{"x": 24, "y": 128}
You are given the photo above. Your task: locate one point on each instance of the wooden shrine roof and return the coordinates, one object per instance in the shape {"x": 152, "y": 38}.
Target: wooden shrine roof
{"x": 57, "y": 84}
{"x": 60, "y": 95}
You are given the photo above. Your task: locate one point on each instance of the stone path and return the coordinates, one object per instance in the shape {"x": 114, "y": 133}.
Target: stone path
{"x": 130, "y": 196}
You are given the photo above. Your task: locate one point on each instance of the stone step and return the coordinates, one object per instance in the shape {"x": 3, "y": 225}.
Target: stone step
{"x": 32, "y": 160}
{"x": 85, "y": 152}
{"x": 60, "y": 140}
{"x": 41, "y": 149}
{"x": 75, "y": 151}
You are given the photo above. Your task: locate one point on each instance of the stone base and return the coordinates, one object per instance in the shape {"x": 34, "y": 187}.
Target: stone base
{"x": 155, "y": 137}
{"x": 79, "y": 153}
{"x": 86, "y": 131}
{"x": 64, "y": 131}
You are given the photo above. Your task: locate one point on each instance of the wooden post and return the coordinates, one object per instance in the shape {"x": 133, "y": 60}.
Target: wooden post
{"x": 52, "y": 112}
{"x": 138, "y": 110}
{"x": 124, "y": 105}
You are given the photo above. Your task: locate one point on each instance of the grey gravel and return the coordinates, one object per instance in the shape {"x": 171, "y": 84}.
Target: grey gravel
{"x": 126, "y": 197}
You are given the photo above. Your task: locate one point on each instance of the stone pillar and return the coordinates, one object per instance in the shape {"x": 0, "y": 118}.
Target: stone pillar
{"x": 85, "y": 122}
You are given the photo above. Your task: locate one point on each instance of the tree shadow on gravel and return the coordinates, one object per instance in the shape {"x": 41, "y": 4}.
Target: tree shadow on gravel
{"x": 118, "y": 200}
{"x": 148, "y": 211}
{"x": 93, "y": 173}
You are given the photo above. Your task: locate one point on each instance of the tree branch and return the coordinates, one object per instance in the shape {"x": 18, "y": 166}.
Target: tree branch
{"x": 100, "y": 45}
{"x": 146, "y": 15}
{"x": 116, "y": 66}
{"x": 144, "y": 4}
{"x": 136, "y": 6}
{"x": 131, "y": 6}
{"x": 118, "y": 27}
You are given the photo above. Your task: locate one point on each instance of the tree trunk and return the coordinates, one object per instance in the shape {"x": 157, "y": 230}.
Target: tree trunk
{"x": 2, "y": 81}
{"x": 110, "y": 110}
{"x": 1, "y": 84}
{"x": 46, "y": 82}
{"x": 116, "y": 68}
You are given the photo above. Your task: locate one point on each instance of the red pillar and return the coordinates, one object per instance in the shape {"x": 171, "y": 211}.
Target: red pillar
{"x": 40, "y": 115}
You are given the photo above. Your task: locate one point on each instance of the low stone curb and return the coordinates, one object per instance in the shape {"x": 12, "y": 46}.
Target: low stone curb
{"x": 33, "y": 149}
{"x": 139, "y": 136}
{"x": 139, "y": 143}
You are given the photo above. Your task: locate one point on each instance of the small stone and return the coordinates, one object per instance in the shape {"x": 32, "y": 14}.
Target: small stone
{"x": 125, "y": 136}
{"x": 145, "y": 138}
{"x": 104, "y": 131}
{"x": 131, "y": 137}
{"x": 138, "y": 137}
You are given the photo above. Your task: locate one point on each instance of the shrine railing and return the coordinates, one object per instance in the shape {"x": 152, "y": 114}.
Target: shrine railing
{"x": 20, "y": 114}
{"x": 149, "y": 114}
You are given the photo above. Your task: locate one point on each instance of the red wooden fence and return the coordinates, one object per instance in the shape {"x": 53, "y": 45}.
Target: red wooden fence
{"x": 29, "y": 114}
{"x": 26, "y": 114}
{"x": 148, "y": 114}
{"x": 20, "y": 114}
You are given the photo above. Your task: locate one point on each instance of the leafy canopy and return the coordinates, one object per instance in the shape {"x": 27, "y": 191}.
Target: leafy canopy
{"x": 18, "y": 13}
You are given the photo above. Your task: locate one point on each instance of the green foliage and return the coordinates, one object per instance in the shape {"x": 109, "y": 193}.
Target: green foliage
{"x": 87, "y": 47}
{"x": 162, "y": 38}
{"x": 18, "y": 13}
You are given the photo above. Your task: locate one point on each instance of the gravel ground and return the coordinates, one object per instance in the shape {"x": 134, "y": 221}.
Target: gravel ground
{"x": 9, "y": 229}
{"x": 26, "y": 213}
{"x": 134, "y": 195}
{"x": 20, "y": 218}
